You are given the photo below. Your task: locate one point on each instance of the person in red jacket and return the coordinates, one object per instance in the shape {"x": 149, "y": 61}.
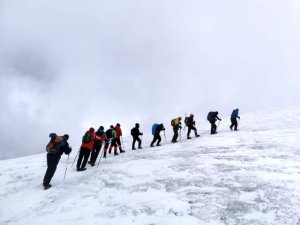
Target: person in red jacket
{"x": 86, "y": 147}
{"x": 118, "y": 136}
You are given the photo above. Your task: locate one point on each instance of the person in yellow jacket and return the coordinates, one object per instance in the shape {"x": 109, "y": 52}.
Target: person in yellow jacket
{"x": 176, "y": 123}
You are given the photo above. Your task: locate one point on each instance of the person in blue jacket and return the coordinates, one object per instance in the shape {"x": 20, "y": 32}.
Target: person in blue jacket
{"x": 156, "y": 129}
{"x": 233, "y": 118}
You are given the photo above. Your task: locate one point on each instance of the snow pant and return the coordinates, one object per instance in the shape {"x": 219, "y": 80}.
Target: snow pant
{"x": 113, "y": 144}
{"x": 213, "y": 128}
{"x": 118, "y": 143}
{"x": 105, "y": 148}
{"x": 156, "y": 137}
{"x": 233, "y": 123}
{"x": 175, "y": 129}
{"x": 136, "y": 139}
{"x": 84, "y": 154}
{"x": 190, "y": 128}
{"x": 95, "y": 152}
{"x": 52, "y": 161}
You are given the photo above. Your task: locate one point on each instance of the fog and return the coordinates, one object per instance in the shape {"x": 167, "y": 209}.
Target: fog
{"x": 68, "y": 65}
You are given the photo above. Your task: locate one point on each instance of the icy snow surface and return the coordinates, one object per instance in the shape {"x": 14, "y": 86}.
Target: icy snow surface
{"x": 247, "y": 177}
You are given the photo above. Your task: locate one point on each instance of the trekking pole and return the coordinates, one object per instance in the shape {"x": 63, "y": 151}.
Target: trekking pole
{"x": 165, "y": 136}
{"x": 180, "y": 135}
{"x": 75, "y": 158}
{"x": 218, "y": 124}
{"x": 122, "y": 142}
{"x": 101, "y": 153}
{"x": 66, "y": 167}
{"x": 184, "y": 121}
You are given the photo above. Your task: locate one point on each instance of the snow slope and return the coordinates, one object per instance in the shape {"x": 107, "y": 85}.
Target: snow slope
{"x": 247, "y": 177}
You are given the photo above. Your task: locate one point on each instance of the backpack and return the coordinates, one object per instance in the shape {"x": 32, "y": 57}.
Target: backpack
{"x": 154, "y": 128}
{"x": 86, "y": 138}
{"x": 210, "y": 116}
{"x": 132, "y": 131}
{"x": 54, "y": 147}
{"x": 108, "y": 134}
{"x": 173, "y": 122}
{"x": 186, "y": 120}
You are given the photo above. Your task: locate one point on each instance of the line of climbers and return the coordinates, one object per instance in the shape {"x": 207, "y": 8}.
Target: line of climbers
{"x": 92, "y": 141}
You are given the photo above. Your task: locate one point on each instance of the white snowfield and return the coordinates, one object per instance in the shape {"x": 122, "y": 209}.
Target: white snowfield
{"x": 247, "y": 177}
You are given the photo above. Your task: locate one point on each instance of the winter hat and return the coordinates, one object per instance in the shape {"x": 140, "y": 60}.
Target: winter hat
{"x": 118, "y": 125}
{"x": 52, "y": 135}
{"x": 101, "y": 128}
{"x": 66, "y": 137}
{"x": 91, "y": 129}
{"x": 137, "y": 125}
{"x": 111, "y": 126}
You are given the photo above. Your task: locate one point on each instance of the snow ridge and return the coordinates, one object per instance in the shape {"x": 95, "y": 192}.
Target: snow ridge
{"x": 247, "y": 177}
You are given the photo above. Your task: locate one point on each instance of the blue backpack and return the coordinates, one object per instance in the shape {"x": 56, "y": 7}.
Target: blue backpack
{"x": 154, "y": 126}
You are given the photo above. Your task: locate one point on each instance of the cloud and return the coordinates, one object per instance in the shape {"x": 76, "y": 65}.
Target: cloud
{"x": 66, "y": 66}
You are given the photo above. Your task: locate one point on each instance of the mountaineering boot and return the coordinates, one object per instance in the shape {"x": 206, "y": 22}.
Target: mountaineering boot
{"x": 122, "y": 151}
{"x": 133, "y": 149}
{"x": 47, "y": 186}
{"x": 115, "y": 153}
{"x": 140, "y": 148}
{"x": 158, "y": 145}
{"x": 189, "y": 138}
{"x": 109, "y": 151}
{"x": 197, "y": 135}
{"x": 92, "y": 164}
{"x": 230, "y": 127}
{"x": 151, "y": 146}
{"x": 104, "y": 155}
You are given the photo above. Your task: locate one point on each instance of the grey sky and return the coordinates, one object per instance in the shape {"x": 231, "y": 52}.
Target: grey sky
{"x": 68, "y": 65}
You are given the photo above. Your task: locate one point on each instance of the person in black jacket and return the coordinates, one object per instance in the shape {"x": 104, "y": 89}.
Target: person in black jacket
{"x": 213, "y": 119}
{"x": 191, "y": 126}
{"x": 100, "y": 137}
{"x": 55, "y": 148}
{"x": 157, "y": 137}
{"x": 135, "y": 132}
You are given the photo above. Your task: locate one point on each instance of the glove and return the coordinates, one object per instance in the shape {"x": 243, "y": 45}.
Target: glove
{"x": 180, "y": 127}
{"x": 68, "y": 152}
{"x": 141, "y": 133}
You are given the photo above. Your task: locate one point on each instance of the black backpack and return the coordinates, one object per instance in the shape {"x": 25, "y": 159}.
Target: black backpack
{"x": 210, "y": 116}
{"x": 108, "y": 134}
{"x": 186, "y": 120}
{"x": 86, "y": 138}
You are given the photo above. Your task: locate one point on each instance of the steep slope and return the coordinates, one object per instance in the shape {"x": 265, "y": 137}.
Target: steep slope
{"x": 247, "y": 177}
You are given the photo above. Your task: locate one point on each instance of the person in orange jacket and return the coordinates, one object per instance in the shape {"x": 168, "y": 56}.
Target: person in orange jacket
{"x": 86, "y": 147}
{"x": 118, "y": 136}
